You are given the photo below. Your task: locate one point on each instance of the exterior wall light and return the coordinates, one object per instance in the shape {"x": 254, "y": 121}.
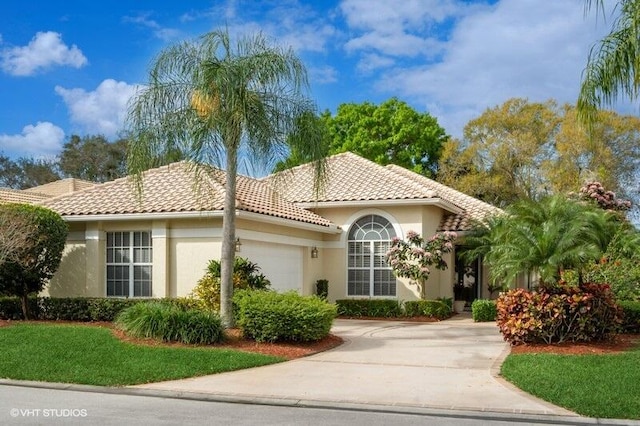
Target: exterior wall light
{"x": 238, "y": 244}
{"x": 314, "y": 253}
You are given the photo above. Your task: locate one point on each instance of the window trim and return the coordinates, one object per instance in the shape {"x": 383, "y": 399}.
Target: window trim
{"x": 131, "y": 264}
{"x": 370, "y": 247}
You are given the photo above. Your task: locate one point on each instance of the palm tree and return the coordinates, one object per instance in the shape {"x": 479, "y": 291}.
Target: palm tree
{"x": 215, "y": 101}
{"x": 613, "y": 67}
{"x": 544, "y": 237}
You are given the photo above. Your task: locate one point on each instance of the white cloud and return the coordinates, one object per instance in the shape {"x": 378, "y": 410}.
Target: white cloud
{"x": 516, "y": 48}
{"x": 46, "y": 49}
{"x": 323, "y": 75}
{"x": 163, "y": 33}
{"x": 101, "y": 111}
{"x": 371, "y": 62}
{"x": 41, "y": 140}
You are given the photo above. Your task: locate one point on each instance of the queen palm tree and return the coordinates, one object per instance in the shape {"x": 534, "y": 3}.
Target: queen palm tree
{"x": 613, "y": 67}
{"x": 215, "y": 100}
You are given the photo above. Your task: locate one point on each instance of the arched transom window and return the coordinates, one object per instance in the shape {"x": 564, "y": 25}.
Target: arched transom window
{"x": 368, "y": 273}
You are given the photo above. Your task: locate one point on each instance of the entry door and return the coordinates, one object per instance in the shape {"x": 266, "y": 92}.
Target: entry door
{"x": 468, "y": 277}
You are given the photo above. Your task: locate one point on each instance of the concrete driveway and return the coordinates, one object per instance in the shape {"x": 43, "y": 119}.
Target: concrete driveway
{"x": 447, "y": 365}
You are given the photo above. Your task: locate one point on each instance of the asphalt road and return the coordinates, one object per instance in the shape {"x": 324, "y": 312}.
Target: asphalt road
{"x": 35, "y": 406}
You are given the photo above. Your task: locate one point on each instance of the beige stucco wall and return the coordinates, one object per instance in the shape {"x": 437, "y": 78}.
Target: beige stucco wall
{"x": 182, "y": 249}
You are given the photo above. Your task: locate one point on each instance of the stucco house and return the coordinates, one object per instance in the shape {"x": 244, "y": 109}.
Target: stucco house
{"x": 158, "y": 244}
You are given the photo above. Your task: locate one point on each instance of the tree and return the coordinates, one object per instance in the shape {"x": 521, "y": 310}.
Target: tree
{"x": 524, "y": 150}
{"x": 93, "y": 158}
{"x": 15, "y": 233}
{"x": 544, "y": 237}
{"x": 414, "y": 257}
{"x": 214, "y": 100}
{"x": 613, "y": 66}
{"x": 389, "y": 133}
{"x": 27, "y": 172}
{"x": 29, "y": 268}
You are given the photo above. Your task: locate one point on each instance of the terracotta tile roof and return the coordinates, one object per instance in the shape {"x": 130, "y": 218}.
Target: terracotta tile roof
{"x": 8, "y": 195}
{"x": 175, "y": 188}
{"x": 62, "y": 186}
{"x": 474, "y": 209}
{"x": 349, "y": 177}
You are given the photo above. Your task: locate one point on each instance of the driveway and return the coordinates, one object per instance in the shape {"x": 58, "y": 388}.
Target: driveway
{"x": 450, "y": 364}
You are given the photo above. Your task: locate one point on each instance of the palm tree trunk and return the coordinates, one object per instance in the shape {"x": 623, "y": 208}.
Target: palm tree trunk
{"x": 228, "y": 238}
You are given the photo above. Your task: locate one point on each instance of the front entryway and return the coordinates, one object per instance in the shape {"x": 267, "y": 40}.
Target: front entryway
{"x": 468, "y": 279}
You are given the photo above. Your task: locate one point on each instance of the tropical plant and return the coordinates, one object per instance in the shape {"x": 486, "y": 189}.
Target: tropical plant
{"x": 414, "y": 257}
{"x": 614, "y": 65}
{"x": 543, "y": 238}
{"x": 214, "y": 100}
{"x": 28, "y": 269}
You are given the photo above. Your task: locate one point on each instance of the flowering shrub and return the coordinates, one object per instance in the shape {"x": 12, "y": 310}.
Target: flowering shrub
{"x": 558, "y": 314}
{"x": 415, "y": 257}
{"x": 594, "y": 191}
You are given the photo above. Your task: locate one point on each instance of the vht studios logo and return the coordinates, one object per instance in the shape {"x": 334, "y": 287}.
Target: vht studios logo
{"x": 48, "y": 412}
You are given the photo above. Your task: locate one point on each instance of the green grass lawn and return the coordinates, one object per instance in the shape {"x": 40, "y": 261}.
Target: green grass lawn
{"x": 606, "y": 386}
{"x": 92, "y": 355}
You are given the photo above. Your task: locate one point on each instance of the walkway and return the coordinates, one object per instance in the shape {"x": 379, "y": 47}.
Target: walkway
{"x": 446, "y": 365}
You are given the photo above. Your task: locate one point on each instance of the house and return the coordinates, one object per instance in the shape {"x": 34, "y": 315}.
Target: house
{"x": 43, "y": 192}
{"x": 158, "y": 243}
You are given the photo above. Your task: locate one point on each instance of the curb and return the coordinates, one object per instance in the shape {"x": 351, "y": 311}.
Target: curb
{"x": 333, "y": 405}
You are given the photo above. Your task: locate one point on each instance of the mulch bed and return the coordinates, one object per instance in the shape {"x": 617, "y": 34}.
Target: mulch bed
{"x": 619, "y": 343}
{"x": 404, "y": 319}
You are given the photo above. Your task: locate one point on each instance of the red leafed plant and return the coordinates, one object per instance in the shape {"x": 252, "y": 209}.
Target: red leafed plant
{"x": 558, "y": 314}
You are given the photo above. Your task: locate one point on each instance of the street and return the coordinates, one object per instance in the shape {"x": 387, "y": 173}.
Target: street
{"x": 31, "y": 406}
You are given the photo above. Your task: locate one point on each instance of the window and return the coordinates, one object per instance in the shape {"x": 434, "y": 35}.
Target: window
{"x": 368, "y": 273}
{"x": 129, "y": 256}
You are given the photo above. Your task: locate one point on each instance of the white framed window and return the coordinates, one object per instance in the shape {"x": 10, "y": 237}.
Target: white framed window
{"x": 129, "y": 264}
{"x": 368, "y": 273}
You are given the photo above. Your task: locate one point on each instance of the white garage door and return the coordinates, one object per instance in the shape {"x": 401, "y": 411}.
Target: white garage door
{"x": 281, "y": 264}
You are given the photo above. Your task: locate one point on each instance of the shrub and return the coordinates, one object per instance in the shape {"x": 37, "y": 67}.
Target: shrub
{"x": 11, "y": 307}
{"x": 623, "y": 275}
{"x": 631, "y": 313}
{"x": 268, "y": 316}
{"x": 558, "y": 314}
{"x": 430, "y": 308}
{"x": 322, "y": 289}
{"x": 28, "y": 268}
{"x": 447, "y": 301}
{"x": 484, "y": 310}
{"x": 381, "y": 308}
{"x": 245, "y": 276}
{"x": 171, "y": 323}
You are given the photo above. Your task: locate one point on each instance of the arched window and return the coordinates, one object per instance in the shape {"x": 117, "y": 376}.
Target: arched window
{"x": 368, "y": 273}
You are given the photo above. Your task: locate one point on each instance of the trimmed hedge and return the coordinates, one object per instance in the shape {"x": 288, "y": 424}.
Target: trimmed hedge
{"x": 560, "y": 314}
{"x": 484, "y": 310}
{"x": 76, "y": 308}
{"x": 268, "y": 316}
{"x": 171, "y": 323}
{"x": 430, "y": 308}
{"x": 381, "y": 308}
{"x": 631, "y": 312}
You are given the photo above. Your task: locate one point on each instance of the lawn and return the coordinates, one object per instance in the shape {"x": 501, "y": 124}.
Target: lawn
{"x": 605, "y": 386}
{"x": 93, "y": 356}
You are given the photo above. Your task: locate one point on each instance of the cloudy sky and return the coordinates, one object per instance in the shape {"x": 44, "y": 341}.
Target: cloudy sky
{"x": 70, "y": 66}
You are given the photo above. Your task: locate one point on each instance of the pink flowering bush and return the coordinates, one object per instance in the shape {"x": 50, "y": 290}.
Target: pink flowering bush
{"x": 414, "y": 257}
{"x": 595, "y": 192}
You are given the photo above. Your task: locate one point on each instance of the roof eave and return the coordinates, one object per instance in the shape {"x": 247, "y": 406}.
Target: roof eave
{"x": 446, "y": 205}
{"x": 275, "y": 220}
{"x": 142, "y": 216}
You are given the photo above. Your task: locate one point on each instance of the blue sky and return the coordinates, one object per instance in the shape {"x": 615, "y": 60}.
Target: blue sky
{"x": 70, "y": 66}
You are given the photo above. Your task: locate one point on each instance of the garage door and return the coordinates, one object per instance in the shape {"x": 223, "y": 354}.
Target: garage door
{"x": 280, "y": 263}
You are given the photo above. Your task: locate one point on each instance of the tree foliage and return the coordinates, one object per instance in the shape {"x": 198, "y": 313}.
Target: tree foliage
{"x": 389, "y": 133}
{"x": 524, "y": 150}
{"x": 214, "y": 100}
{"x": 613, "y": 65}
{"x": 93, "y": 158}
{"x": 28, "y": 269}
{"x": 26, "y": 173}
{"x": 542, "y": 237}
